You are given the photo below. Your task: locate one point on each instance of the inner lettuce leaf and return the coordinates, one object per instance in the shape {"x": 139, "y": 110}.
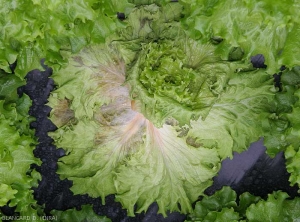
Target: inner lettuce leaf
{"x": 149, "y": 116}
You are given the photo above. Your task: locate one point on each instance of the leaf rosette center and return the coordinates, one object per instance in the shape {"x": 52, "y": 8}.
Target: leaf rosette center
{"x": 180, "y": 80}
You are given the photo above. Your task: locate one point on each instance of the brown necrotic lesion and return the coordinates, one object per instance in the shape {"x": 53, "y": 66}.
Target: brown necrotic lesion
{"x": 63, "y": 114}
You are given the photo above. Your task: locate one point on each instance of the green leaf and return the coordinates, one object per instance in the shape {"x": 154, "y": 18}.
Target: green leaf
{"x": 36, "y": 29}
{"x": 216, "y": 206}
{"x": 29, "y": 58}
{"x": 276, "y": 208}
{"x": 290, "y": 80}
{"x": 16, "y": 150}
{"x": 6, "y": 193}
{"x": 225, "y": 215}
{"x": 222, "y": 206}
{"x": 245, "y": 200}
{"x": 150, "y": 22}
{"x": 254, "y": 26}
{"x": 292, "y": 156}
{"x": 13, "y": 107}
{"x": 85, "y": 214}
{"x": 8, "y": 86}
{"x": 284, "y": 118}
{"x": 235, "y": 118}
{"x": 291, "y": 77}
{"x": 290, "y": 53}
{"x": 15, "y": 159}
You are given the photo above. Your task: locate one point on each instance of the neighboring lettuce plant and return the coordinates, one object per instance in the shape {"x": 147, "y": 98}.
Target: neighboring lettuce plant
{"x": 149, "y": 115}
{"x": 36, "y": 29}
{"x": 16, "y": 150}
{"x": 264, "y": 27}
{"x": 224, "y": 206}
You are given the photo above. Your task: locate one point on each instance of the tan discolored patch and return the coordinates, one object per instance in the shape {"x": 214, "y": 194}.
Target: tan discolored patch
{"x": 193, "y": 142}
{"x": 62, "y": 114}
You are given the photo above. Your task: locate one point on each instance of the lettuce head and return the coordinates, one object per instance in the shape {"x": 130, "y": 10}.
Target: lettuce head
{"x": 149, "y": 114}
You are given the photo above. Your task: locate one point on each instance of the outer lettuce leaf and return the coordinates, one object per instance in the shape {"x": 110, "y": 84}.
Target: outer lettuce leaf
{"x": 293, "y": 135}
{"x": 153, "y": 22}
{"x": 292, "y": 153}
{"x": 285, "y": 134}
{"x": 222, "y": 206}
{"x": 292, "y": 165}
{"x": 8, "y": 86}
{"x": 85, "y": 214}
{"x": 211, "y": 206}
{"x": 7, "y": 193}
{"x": 278, "y": 139}
{"x": 224, "y": 215}
{"x": 284, "y": 120}
{"x": 276, "y": 208}
{"x": 239, "y": 115}
{"x": 258, "y": 27}
{"x": 290, "y": 53}
{"x": 14, "y": 109}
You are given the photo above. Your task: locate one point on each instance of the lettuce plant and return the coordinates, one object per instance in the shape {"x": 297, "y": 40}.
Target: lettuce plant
{"x": 16, "y": 146}
{"x": 222, "y": 206}
{"x": 150, "y": 114}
